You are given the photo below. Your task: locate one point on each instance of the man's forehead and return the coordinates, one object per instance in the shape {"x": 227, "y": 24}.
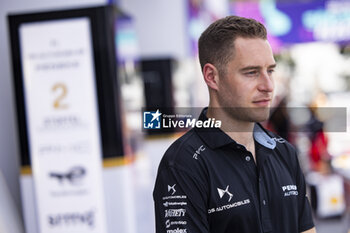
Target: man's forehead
{"x": 252, "y": 51}
{"x": 251, "y": 45}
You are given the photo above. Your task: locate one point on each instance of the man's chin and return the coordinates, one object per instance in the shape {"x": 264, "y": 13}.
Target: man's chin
{"x": 260, "y": 114}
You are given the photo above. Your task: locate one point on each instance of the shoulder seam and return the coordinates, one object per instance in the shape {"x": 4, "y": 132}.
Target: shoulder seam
{"x": 188, "y": 135}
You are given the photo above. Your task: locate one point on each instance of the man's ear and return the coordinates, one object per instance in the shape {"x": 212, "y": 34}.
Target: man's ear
{"x": 211, "y": 76}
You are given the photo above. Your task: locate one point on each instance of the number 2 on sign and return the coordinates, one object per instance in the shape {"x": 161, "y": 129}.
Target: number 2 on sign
{"x": 57, "y": 104}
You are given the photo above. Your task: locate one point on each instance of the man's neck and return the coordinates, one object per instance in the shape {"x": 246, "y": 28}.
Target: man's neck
{"x": 239, "y": 131}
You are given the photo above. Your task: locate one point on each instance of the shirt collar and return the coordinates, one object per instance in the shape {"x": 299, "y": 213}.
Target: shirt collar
{"x": 215, "y": 137}
{"x": 262, "y": 137}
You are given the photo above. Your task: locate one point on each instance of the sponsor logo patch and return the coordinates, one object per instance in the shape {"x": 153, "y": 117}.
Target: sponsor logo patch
{"x": 290, "y": 190}
{"x": 175, "y": 213}
{"x": 172, "y": 189}
{"x": 177, "y": 230}
{"x": 198, "y": 152}
{"x": 166, "y": 204}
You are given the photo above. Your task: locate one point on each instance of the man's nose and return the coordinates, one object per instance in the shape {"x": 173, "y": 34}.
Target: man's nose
{"x": 266, "y": 83}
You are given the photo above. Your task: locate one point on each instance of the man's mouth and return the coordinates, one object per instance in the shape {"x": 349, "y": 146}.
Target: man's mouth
{"x": 262, "y": 102}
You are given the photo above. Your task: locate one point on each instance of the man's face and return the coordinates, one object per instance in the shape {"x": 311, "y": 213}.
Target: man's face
{"x": 246, "y": 89}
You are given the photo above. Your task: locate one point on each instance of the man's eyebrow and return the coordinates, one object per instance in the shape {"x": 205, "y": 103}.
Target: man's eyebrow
{"x": 273, "y": 66}
{"x": 256, "y": 67}
{"x": 250, "y": 68}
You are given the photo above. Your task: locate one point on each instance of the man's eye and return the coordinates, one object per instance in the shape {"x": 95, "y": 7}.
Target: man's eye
{"x": 251, "y": 73}
{"x": 271, "y": 71}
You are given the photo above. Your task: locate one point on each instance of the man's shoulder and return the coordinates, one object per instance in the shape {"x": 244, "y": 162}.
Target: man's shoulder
{"x": 182, "y": 152}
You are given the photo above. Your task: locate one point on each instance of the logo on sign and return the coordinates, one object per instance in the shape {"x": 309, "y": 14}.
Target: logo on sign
{"x": 151, "y": 120}
{"x": 73, "y": 176}
{"x": 72, "y": 219}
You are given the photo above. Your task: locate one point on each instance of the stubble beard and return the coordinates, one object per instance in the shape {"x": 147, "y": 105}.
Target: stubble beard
{"x": 244, "y": 114}
{"x": 241, "y": 113}
{"x": 251, "y": 114}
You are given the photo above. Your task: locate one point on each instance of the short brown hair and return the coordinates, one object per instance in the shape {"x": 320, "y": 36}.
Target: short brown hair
{"x": 217, "y": 41}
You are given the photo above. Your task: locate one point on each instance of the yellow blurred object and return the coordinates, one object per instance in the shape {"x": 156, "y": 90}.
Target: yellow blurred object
{"x": 334, "y": 201}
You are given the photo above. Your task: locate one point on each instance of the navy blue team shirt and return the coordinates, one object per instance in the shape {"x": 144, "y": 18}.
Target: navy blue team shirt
{"x": 207, "y": 182}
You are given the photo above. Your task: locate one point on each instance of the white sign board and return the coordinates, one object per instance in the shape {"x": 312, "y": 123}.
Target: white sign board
{"x": 63, "y": 125}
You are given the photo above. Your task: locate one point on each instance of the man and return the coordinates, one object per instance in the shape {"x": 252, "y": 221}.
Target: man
{"x": 239, "y": 178}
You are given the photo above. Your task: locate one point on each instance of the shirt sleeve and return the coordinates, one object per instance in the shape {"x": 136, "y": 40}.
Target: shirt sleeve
{"x": 304, "y": 208}
{"x": 180, "y": 202}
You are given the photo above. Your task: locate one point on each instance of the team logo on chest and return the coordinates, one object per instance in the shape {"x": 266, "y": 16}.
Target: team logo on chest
{"x": 223, "y": 192}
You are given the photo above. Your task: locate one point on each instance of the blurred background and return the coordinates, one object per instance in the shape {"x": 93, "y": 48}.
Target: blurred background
{"x": 151, "y": 51}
